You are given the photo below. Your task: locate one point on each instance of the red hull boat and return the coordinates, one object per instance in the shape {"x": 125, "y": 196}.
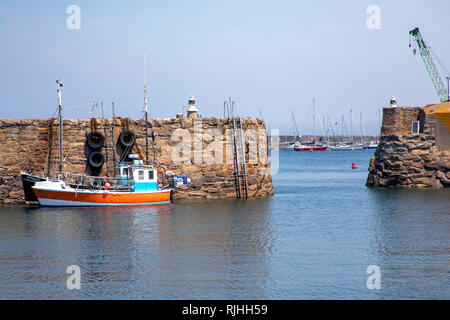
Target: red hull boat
{"x": 304, "y": 148}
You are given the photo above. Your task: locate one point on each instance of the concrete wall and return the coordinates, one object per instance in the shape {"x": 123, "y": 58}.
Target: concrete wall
{"x": 32, "y": 145}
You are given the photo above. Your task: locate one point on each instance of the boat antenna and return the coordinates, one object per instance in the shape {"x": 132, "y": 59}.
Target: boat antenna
{"x": 362, "y": 130}
{"x": 59, "y": 85}
{"x": 113, "y": 131}
{"x": 146, "y": 108}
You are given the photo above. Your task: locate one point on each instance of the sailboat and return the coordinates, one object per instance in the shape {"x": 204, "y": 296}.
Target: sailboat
{"x": 313, "y": 145}
{"x": 296, "y": 134}
{"x": 367, "y": 145}
{"x": 346, "y": 145}
{"x": 133, "y": 184}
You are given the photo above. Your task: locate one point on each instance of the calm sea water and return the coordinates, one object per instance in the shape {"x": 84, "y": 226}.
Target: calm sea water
{"x": 313, "y": 240}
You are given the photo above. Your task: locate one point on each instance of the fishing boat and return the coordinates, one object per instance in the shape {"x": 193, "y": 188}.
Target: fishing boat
{"x": 133, "y": 183}
{"x": 28, "y": 181}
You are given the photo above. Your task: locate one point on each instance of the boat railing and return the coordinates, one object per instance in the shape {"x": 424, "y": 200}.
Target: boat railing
{"x": 82, "y": 181}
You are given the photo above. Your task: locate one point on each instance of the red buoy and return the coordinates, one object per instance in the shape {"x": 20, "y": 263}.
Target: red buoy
{"x": 354, "y": 166}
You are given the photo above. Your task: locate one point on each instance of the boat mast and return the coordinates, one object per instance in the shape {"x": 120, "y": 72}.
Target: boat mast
{"x": 351, "y": 124}
{"x": 332, "y": 131}
{"x": 362, "y": 131}
{"x": 113, "y": 132}
{"x": 59, "y": 85}
{"x": 294, "y": 125}
{"x": 314, "y": 122}
{"x": 293, "y": 122}
{"x": 146, "y": 108}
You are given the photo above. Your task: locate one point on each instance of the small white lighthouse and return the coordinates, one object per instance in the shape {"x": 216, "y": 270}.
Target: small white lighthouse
{"x": 393, "y": 102}
{"x": 192, "y": 111}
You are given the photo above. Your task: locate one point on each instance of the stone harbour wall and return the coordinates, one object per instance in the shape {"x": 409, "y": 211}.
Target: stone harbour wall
{"x": 410, "y": 160}
{"x": 31, "y": 145}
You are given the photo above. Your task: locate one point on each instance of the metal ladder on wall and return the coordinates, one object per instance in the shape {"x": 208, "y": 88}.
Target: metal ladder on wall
{"x": 240, "y": 167}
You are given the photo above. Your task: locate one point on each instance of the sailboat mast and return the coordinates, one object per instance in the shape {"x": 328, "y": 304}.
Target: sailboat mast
{"x": 314, "y": 121}
{"x": 324, "y": 128}
{"x": 361, "y": 124}
{"x": 294, "y": 126}
{"x": 146, "y": 109}
{"x": 59, "y": 85}
{"x": 351, "y": 124}
{"x": 332, "y": 131}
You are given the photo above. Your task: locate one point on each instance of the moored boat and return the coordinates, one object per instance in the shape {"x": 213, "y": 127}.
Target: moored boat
{"x": 372, "y": 145}
{"x": 310, "y": 148}
{"x": 345, "y": 147}
{"x": 28, "y": 181}
{"x": 133, "y": 183}
{"x": 136, "y": 186}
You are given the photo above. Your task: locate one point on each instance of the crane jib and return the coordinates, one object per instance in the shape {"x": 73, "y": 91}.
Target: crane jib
{"x": 430, "y": 65}
{"x": 418, "y": 43}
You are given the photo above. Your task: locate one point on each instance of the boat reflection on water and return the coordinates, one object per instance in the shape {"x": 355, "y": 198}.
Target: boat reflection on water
{"x": 183, "y": 250}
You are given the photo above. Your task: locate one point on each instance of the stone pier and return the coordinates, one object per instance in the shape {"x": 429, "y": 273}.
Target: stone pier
{"x": 32, "y": 145}
{"x": 407, "y": 160}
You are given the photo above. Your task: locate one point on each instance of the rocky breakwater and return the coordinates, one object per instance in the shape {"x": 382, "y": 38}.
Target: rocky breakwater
{"x": 410, "y": 160}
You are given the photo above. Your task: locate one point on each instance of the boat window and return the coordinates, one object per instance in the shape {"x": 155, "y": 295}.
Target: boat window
{"x": 150, "y": 175}
{"x": 141, "y": 174}
{"x": 125, "y": 171}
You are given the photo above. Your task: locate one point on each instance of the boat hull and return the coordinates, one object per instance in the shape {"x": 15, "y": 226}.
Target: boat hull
{"x": 345, "y": 148}
{"x": 28, "y": 181}
{"x": 69, "y": 198}
{"x": 310, "y": 148}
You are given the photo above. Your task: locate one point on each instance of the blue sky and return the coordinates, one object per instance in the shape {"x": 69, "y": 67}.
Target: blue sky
{"x": 270, "y": 56}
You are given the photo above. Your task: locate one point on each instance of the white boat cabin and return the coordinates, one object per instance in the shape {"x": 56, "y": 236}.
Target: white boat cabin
{"x": 142, "y": 178}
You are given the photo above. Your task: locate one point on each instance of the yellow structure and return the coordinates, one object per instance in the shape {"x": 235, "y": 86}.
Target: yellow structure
{"x": 442, "y": 111}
